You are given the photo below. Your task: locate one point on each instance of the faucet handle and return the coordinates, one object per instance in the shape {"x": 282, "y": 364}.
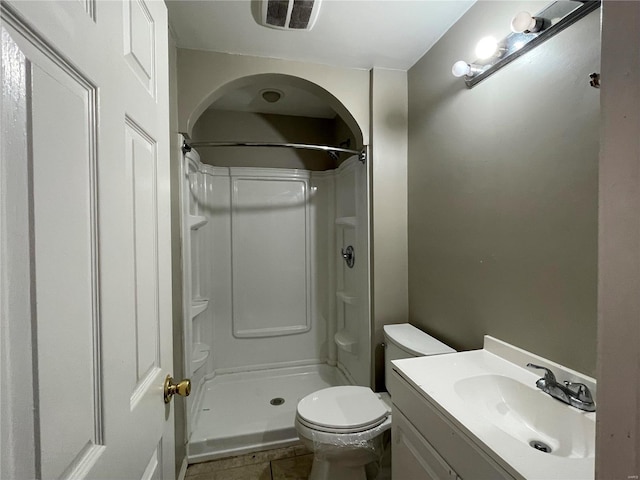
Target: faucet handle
{"x": 581, "y": 391}
{"x": 549, "y": 377}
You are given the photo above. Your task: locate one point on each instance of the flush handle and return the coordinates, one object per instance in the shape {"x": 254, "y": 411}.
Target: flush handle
{"x": 349, "y": 256}
{"x": 182, "y": 388}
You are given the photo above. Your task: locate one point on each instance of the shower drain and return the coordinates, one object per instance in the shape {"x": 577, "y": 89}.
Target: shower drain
{"x": 277, "y": 401}
{"x": 538, "y": 445}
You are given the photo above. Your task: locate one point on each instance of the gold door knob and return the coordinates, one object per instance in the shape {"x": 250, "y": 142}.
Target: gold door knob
{"x": 182, "y": 388}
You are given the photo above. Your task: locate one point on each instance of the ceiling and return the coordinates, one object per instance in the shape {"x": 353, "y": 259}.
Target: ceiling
{"x": 294, "y": 101}
{"x": 348, "y": 33}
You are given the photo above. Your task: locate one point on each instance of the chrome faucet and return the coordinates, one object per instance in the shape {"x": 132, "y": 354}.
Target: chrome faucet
{"x": 574, "y": 394}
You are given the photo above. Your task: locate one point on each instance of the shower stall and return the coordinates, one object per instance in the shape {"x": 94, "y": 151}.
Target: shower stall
{"x": 276, "y": 289}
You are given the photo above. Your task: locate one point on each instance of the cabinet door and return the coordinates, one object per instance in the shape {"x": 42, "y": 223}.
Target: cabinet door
{"x": 413, "y": 458}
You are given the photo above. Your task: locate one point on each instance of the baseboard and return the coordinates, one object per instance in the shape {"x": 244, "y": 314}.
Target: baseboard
{"x": 183, "y": 469}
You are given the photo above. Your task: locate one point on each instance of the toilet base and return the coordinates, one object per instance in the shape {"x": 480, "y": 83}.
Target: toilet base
{"x": 326, "y": 470}
{"x": 344, "y": 456}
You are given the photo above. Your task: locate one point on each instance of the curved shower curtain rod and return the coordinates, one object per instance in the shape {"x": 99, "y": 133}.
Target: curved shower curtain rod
{"x": 362, "y": 154}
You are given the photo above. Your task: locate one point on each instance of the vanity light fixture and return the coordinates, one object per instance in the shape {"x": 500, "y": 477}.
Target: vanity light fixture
{"x": 524, "y": 22}
{"x": 487, "y": 47}
{"x": 527, "y": 32}
{"x": 518, "y": 45}
{"x": 462, "y": 68}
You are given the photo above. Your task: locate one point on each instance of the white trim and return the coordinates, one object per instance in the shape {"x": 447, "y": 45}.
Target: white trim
{"x": 183, "y": 469}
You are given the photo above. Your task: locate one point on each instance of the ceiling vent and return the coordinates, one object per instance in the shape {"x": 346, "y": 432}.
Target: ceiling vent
{"x": 290, "y": 14}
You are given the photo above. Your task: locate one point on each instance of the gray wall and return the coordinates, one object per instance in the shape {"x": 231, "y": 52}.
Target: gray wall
{"x": 220, "y": 125}
{"x": 618, "y": 428}
{"x": 503, "y": 192}
{"x": 388, "y": 174}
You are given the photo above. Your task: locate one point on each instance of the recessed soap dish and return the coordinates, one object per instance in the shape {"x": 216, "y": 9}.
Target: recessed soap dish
{"x": 345, "y": 341}
{"x": 199, "y": 355}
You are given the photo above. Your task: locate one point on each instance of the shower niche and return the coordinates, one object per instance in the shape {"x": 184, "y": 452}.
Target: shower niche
{"x": 275, "y": 312}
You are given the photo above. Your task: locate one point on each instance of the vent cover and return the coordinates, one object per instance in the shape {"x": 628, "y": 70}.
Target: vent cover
{"x": 290, "y": 14}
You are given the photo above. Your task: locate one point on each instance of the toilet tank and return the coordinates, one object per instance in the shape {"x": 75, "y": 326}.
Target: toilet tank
{"x": 403, "y": 340}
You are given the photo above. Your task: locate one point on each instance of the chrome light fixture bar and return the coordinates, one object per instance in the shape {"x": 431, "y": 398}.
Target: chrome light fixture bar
{"x": 529, "y": 32}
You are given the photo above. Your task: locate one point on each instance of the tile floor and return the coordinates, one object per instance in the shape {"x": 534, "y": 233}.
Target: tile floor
{"x": 290, "y": 463}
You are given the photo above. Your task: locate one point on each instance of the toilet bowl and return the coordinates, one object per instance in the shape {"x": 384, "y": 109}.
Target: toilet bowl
{"x": 345, "y": 426}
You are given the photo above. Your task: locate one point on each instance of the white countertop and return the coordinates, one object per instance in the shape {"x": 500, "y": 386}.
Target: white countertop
{"x": 466, "y": 387}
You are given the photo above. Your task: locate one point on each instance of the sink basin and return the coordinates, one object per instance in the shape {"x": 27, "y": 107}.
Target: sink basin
{"x": 529, "y": 415}
{"x": 491, "y": 398}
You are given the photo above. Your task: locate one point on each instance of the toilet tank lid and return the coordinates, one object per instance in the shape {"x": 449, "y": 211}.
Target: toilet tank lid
{"x": 414, "y": 341}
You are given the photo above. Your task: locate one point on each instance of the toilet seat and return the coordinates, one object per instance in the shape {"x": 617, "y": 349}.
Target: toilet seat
{"x": 322, "y": 428}
{"x": 326, "y": 439}
{"x": 346, "y": 409}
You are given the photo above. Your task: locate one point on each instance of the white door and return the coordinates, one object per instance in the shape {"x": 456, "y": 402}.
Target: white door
{"x": 85, "y": 240}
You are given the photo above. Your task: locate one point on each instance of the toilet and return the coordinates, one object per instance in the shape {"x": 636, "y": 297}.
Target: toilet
{"x": 344, "y": 426}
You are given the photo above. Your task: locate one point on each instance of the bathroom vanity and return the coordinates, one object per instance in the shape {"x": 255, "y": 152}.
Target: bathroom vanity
{"x": 479, "y": 415}
{"x": 427, "y": 445}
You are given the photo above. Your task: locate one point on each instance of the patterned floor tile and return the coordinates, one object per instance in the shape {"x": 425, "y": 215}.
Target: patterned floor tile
{"x": 296, "y": 468}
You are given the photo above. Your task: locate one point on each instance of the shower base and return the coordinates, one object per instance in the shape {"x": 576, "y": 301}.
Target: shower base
{"x": 245, "y": 412}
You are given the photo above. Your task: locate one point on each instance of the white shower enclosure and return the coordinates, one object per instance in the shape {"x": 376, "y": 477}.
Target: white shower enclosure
{"x": 272, "y": 310}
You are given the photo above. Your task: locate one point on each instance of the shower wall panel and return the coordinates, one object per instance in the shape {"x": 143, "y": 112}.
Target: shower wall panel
{"x": 197, "y": 190}
{"x": 271, "y": 258}
{"x": 352, "y": 284}
{"x": 269, "y": 286}
{"x": 265, "y": 259}
{"x": 323, "y": 204}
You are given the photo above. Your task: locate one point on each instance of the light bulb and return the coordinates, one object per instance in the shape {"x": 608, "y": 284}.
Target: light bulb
{"x": 518, "y": 45}
{"x": 461, "y": 68}
{"x": 486, "y": 48}
{"x": 523, "y": 22}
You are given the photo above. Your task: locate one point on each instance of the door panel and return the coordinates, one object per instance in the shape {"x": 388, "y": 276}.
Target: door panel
{"x": 154, "y": 466}
{"x": 65, "y": 260}
{"x": 139, "y": 36}
{"x": 89, "y": 152}
{"x": 141, "y": 160}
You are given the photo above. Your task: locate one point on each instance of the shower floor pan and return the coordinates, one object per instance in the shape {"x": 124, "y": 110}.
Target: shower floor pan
{"x": 250, "y": 411}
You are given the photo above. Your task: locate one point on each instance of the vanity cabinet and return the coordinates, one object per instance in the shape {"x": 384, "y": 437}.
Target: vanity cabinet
{"x": 427, "y": 445}
{"x": 413, "y": 457}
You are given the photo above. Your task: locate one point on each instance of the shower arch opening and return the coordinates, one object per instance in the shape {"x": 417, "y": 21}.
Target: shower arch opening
{"x": 246, "y": 225}
{"x": 266, "y": 79}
